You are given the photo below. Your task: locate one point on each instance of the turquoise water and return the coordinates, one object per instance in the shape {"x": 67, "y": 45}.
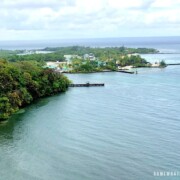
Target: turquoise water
{"x": 125, "y": 130}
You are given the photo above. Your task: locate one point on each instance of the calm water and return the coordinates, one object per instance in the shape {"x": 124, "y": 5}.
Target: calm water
{"x": 168, "y": 58}
{"x": 125, "y": 130}
{"x": 164, "y": 44}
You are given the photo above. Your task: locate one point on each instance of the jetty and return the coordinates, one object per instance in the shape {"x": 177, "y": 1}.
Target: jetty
{"x": 87, "y": 85}
{"x": 173, "y": 64}
{"x": 123, "y": 71}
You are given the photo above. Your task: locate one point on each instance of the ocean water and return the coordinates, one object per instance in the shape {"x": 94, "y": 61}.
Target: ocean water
{"x": 126, "y": 130}
{"x": 168, "y": 58}
{"x": 163, "y": 44}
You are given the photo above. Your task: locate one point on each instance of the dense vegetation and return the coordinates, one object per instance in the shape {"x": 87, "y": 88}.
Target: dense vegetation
{"x": 7, "y": 53}
{"x": 55, "y": 56}
{"x": 23, "y": 82}
{"x": 100, "y": 52}
{"x": 163, "y": 64}
{"x": 107, "y": 58}
{"x": 81, "y": 65}
{"x": 57, "y": 53}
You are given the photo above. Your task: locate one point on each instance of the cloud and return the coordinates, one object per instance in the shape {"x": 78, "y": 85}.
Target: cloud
{"x": 95, "y": 18}
{"x": 166, "y": 4}
{"x": 33, "y": 4}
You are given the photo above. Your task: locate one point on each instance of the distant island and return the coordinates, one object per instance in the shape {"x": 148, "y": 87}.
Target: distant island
{"x": 87, "y": 59}
{"x": 77, "y": 59}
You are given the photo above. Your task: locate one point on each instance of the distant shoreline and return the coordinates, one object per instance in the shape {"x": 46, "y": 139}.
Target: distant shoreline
{"x": 168, "y": 43}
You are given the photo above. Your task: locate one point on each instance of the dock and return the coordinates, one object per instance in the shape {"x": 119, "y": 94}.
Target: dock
{"x": 123, "y": 71}
{"x": 173, "y": 64}
{"x": 87, "y": 85}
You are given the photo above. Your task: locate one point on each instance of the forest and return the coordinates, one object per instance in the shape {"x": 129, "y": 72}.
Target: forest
{"x": 23, "y": 82}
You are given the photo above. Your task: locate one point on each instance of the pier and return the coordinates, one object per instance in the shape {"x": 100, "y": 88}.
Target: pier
{"x": 87, "y": 85}
{"x": 173, "y": 64}
{"x": 123, "y": 71}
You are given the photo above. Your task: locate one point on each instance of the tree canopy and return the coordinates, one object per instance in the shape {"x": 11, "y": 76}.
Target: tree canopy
{"x": 23, "y": 82}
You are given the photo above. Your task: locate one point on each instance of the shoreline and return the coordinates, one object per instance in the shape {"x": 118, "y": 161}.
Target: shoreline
{"x": 87, "y": 72}
{"x": 108, "y": 71}
{"x": 33, "y": 102}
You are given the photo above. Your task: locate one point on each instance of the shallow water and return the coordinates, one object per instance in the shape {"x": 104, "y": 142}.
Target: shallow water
{"x": 125, "y": 130}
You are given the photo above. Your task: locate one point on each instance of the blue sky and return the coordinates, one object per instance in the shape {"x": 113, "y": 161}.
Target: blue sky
{"x": 57, "y": 19}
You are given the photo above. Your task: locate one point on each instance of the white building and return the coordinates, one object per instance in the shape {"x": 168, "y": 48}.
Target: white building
{"x": 90, "y": 57}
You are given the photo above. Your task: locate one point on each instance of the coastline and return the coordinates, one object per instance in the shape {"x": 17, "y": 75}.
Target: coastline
{"x": 87, "y": 72}
{"x": 121, "y": 71}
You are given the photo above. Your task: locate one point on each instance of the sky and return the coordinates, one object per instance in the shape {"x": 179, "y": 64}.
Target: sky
{"x": 73, "y": 19}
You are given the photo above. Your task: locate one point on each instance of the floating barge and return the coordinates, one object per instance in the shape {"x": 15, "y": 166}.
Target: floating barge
{"x": 86, "y": 85}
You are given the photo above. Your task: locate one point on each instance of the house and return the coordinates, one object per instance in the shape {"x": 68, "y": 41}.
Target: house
{"x": 59, "y": 66}
{"x": 90, "y": 57}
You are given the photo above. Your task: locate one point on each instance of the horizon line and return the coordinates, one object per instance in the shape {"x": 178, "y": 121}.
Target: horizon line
{"x": 84, "y": 38}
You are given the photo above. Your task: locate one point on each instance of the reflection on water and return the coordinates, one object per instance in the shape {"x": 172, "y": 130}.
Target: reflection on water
{"x": 16, "y": 123}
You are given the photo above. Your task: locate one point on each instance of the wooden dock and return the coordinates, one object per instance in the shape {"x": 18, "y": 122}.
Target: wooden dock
{"x": 86, "y": 85}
